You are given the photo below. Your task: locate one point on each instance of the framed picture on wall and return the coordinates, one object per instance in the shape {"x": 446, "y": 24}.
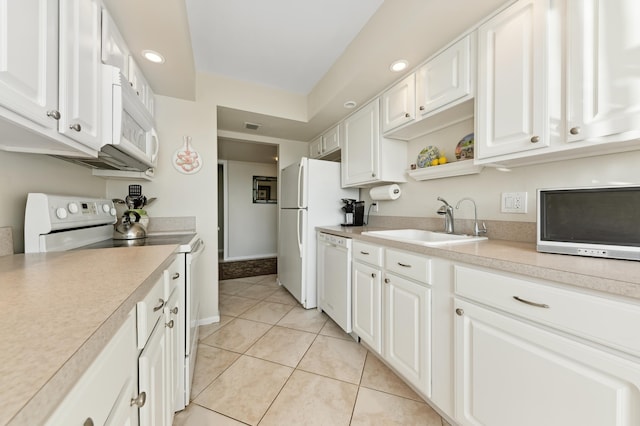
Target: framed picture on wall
{"x": 265, "y": 189}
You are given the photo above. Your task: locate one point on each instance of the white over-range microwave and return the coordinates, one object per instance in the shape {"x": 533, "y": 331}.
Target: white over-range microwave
{"x": 129, "y": 138}
{"x": 592, "y": 221}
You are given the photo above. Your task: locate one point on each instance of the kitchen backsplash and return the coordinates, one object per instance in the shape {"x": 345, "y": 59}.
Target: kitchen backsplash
{"x": 172, "y": 225}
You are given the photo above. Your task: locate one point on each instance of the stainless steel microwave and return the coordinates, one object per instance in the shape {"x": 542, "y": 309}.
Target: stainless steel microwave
{"x": 593, "y": 221}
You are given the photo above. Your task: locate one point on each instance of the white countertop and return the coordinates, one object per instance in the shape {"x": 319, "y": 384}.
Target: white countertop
{"x": 59, "y": 310}
{"x": 614, "y": 277}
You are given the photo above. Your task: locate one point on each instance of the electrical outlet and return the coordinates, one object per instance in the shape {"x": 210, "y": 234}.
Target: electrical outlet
{"x": 374, "y": 207}
{"x": 514, "y": 202}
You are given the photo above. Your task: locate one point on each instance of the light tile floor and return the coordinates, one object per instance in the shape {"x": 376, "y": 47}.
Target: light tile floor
{"x": 271, "y": 362}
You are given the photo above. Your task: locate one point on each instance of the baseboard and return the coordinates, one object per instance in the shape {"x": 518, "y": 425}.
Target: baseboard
{"x": 209, "y": 320}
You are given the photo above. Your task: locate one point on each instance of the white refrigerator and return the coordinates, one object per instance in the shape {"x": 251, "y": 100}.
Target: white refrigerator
{"x": 310, "y": 196}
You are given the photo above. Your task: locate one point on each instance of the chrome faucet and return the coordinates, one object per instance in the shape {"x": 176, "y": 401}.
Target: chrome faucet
{"x": 476, "y": 229}
{"x": 447, "y": 211}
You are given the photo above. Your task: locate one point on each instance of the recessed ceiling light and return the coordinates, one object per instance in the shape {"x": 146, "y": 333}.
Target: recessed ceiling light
{"x": 153, "y": 56}
{"x": 350, "y": 104}
{"x": 399, "y": 65}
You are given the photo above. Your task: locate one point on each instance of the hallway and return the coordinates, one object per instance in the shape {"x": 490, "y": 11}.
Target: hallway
{"x": 270, "y": 362}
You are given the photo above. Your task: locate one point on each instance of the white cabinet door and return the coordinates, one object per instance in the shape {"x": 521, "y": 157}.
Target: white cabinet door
{"x": 512, "y": 373}
{"x": 511, "y": 107}
{"x": 80, "y": 88}
{"x": 153, "y": 380}
{"x": 114, "y": 49}
{"x": 408, "y": 330}
{"x": 29, "y": 59}
{"x": 446, "y": 78}
{"x": 141, "y": 86}
{"x": 367, "y": 304}
{"x": 361, "y": 146}
{"x": 603, "y": 65}
{"x": 399, "y": 104}
{"x": 174, "y": 323}
{"x": 331, "y": 140}
{"x": 124, "y": 412}
{"x": 315, "y": 147}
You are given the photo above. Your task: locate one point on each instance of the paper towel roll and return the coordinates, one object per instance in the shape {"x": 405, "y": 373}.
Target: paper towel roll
{"x": 386, "y": 192}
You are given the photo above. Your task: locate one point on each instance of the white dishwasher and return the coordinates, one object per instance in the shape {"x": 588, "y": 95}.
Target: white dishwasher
{"x": 334, "y": 278}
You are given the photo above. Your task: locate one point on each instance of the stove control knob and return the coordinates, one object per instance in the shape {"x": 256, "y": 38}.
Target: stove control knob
{"x": 106, "y": 208}
{"x": 113, "y": 211}
{"x": 73, "y": 208}
{"x": 61, "y": 213}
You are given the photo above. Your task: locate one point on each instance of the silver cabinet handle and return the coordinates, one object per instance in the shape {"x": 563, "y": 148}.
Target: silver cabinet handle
{"x": 77, "y": 127}
{"x": 537, "y": 305}
{"x": 160, "y": 305}
{"x": 421, "y": 108}
{"x": 404, "y": 265}
{"x": 366, "y": 253}
{"x": 373, "y": 275}
{"x": 139, "y": 400}
{"x": 407, "y": 115}
{"x": 54, "y": 114}
{"x": 174, "y": 311}
{"x": 535, "y": 139}
{"x": 574, "y": 130}
{"x": 169, "y": 324}
{"x": 175, "y": 276}
{"x": 387, "y": 280}
{"x": 459, "y": 312}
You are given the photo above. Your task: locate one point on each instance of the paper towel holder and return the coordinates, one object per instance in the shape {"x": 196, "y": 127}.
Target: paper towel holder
{"x": 385, "y": 192}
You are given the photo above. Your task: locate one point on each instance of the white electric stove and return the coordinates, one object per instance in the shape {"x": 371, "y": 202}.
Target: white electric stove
{"x": 61, "y": 223}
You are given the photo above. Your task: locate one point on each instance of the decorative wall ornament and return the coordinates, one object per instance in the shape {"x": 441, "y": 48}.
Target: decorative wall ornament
{"x": 186, "y": 160}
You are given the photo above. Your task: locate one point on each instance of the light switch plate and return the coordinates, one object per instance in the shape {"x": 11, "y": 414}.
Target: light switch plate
{"x": 514, "y": 202}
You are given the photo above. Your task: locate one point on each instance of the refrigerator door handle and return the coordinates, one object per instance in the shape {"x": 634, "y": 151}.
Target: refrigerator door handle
{"x": 298, "y": 231}
{"x": 300, "y": 185}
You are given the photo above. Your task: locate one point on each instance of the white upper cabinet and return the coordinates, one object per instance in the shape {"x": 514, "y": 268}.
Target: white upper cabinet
{"x": 80, "y": 90}
{"x": 29, "y": 59}
{"x": 446, "y": 78}
{"x": 315, "y": 148}
{"x": 399, "y": 104}
{"x": 325, "y": 144}
{"x": 511, "y": 106}
{"x": 603, "y": 68}
{"x": 114, "y": 49}
{"x": 367, "y": 157}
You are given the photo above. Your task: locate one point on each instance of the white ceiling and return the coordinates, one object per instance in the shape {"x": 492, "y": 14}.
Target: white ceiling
{"x": 285, "y": 44}
{"x": 333, "y": 50}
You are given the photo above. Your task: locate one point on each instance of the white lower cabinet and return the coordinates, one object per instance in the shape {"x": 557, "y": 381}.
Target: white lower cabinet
{"x": 510, "y": 372}
{"x": 367, "y": 308}
{"x": 407, "y": 320}
{"x": 104, "y": 393}
{"x": 528, "y": 352}
{"x": 152, "y": 373}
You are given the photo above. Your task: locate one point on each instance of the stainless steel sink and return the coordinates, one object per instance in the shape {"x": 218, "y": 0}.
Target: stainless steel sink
{"x": 425, "y": 238}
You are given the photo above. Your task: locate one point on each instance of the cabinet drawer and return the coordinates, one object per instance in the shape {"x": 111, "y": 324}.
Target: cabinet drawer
{"x": 149, "y": 311}
{"x": 609, "y": 322}
{"x": 174, "y": 275}
{"x": 409, "y": 265}
{"x": 367, "y": 253}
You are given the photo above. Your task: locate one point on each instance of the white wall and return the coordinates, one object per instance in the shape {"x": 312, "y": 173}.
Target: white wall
{"x": 419, "y": 197}
{"x": 187, "y": 195}
{"x": 252, "y": 227}
{"x": 24, "y": 173}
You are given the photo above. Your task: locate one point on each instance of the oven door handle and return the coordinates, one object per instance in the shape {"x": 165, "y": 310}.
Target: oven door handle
{"x": 198, "y": 251}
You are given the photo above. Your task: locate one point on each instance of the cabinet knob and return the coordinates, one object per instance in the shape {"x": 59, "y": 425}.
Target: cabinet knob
{"x": 459, "y": 312}
{"x": 159, "y": 306}
{"x": 174, "y": 310}
{"x": 77, "y": 127}
{"x": 88, "y": 422}
{"x": 373, "y": 275}
{"x": 421, "y": 108}
{"x": 535, "y": 139}
{"x": 139, "y": 400}
{"x": 387, "y": 280}
{"x": 54, "y": 114}
{"x": 373, "y": 175}
{"x": 406, "y": 114}
{"x": 169, "y": 324}
{"x": 575, "y": 130}
{"x": 175, "y": 276}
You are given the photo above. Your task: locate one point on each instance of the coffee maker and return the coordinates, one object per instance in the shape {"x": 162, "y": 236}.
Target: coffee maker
{"x": 353, "y": 212}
